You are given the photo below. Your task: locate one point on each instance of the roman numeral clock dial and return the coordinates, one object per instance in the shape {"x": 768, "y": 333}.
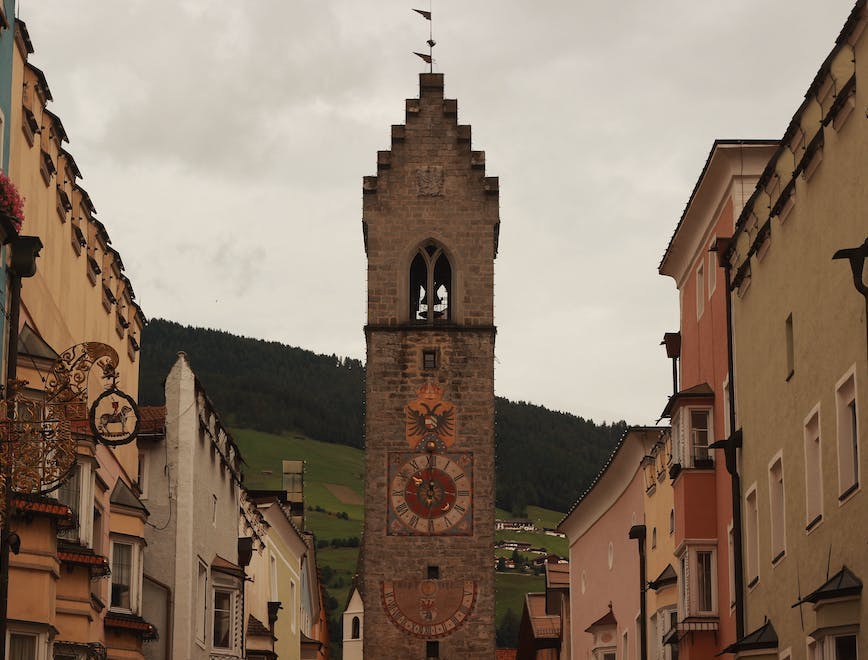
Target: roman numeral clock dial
{"x": 430, "y": 494}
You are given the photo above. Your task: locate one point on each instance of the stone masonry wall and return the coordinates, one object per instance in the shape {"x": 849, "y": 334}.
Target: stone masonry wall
{"x": 403, "y": 208}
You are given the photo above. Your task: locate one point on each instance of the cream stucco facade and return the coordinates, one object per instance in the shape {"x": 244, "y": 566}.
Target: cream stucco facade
{"x": 801, "y": 370}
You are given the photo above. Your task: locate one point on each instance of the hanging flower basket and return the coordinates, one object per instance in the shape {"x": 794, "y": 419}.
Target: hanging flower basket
{"x": 11, "y": 202}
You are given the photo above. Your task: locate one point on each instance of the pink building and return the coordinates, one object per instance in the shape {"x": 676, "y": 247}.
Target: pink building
{"x": 709, "y": 605}
{"x": 604, "y": 601}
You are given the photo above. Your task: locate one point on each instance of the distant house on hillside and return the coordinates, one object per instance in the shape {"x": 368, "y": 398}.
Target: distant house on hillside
{"x": 515, "y": 525}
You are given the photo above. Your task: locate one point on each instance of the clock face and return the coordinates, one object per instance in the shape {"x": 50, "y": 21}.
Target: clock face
{"x": 430, "y": 493}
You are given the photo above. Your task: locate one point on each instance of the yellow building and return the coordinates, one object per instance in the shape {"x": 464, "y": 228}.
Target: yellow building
{"x": 61, "y": 597}
{"x": 661, "y": 597}
{"x": 274, "y": 592}
{"x": 800, "y": 372}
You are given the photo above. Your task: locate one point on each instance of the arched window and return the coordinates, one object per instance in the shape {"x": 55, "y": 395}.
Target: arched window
{"x": 430, "y": 285}
{"x": 356, "y": 633}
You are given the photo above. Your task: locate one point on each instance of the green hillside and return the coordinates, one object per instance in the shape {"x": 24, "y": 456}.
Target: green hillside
{"x": 327, "y": 466}
{"x": 283, "y": 390}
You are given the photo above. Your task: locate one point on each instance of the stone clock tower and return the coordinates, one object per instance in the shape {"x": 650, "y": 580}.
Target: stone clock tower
{"x": 431, "y": 220}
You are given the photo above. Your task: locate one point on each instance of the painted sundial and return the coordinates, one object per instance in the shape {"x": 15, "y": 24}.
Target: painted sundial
{"x": 428, "y": 609}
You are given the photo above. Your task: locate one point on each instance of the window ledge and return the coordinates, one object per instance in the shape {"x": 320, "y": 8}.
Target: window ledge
{"x": 816, "y": 521}
{"x": 779, "y": 557}
{"x": 753, "y": 583}
{"x": 847, "y": 493}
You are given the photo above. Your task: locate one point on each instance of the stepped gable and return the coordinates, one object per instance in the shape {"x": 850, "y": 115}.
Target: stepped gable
{"x": 431, "y": 127}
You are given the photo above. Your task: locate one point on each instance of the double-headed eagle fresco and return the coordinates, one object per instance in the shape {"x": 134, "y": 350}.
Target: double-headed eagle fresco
{"x": 430, "y": 419}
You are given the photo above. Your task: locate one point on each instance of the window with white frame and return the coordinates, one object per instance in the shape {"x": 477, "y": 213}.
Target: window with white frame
{"x": 142, "y": 477}
{"x": 22, "y": 646}
{"x": 777, "y": 511}
{"x": 126, "y": 575}
{"x": 26, "y": 645}
{"x": 840, "y": 646}
{"x": 700, "y": 289}
{"x": 751, "y": 536}
{"x": 699, "y": 581}
{"x": 272, "y": 571}
{"x": 224, "y": 618}
{"x": 293, "y": 608}
{"x": 848, "y": 436}
{"x": 700, "y": 433}
{"x": 730, "y": 547}
{"x": 77, "y": 493}
{"x": 667, "y": 620}
{"x": 712, "y": 272}
{"x": 122, "y": 575}
{"x": 813, "y": 471}
{"x": 843, "y": 647}
{"x": 201, "y": 600}
{"x": 684, "y": 583}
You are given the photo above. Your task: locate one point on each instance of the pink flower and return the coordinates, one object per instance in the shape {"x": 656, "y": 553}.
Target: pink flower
{"x": 11, "y": 202}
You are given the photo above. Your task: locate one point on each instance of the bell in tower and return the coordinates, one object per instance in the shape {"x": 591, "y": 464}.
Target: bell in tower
{"x": 431, "y": 221}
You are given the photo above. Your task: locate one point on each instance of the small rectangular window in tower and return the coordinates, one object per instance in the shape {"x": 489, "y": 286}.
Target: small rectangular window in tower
{"x": 791, "y": 359}
{"x": 429, "y": 358}
{"x": 433, "y": 572}
{"x": 432, "y": 650}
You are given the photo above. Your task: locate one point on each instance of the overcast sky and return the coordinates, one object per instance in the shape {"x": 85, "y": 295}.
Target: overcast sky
{"x": 224, "y": 145}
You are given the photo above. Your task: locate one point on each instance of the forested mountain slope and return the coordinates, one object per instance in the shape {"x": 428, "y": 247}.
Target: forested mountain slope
{"x": 544, "y": 457}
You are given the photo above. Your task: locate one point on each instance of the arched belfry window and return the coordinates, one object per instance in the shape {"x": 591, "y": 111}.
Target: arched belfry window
{"x": 356, "y": 631}
{"x": 430, "y": 285}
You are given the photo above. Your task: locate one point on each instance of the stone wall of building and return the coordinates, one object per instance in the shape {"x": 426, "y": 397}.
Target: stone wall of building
{"x": 430, "y": 187}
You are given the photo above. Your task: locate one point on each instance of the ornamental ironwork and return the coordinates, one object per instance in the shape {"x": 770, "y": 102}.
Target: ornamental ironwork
{"x": 38, "y": 436}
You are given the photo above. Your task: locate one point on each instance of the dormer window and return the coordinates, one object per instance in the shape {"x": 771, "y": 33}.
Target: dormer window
{"x": 430, "y": 285}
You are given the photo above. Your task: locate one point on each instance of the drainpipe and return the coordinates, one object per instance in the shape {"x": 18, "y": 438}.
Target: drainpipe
{"x": 638, "y": 532}
{"x": 731, "y": 446}
{"x": 24, "y": 251}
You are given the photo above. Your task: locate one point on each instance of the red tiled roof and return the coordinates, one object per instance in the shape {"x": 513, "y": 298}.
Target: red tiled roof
{"x": 130, "y": 622}
{"x": 82, "y": 558}
{"x": 544, "y": 625}
{"x": 42, "y": 505}
{"x": 152, "y": 419}
{"x": 226, "y": 566}
{"x": 256, "y": 627}
{"x": 608, "y": 619}
{"x": 506, "y": 654}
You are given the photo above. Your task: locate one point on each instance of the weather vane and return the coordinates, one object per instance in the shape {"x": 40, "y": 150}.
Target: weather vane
{"x": 429, "y": 58}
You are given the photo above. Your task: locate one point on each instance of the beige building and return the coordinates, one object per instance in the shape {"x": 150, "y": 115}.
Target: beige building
{"x": 204, "y": 530}
{"x": 79, "y": 595}
{"x": 801, "y": 372}
{"x": 273, "y": 592}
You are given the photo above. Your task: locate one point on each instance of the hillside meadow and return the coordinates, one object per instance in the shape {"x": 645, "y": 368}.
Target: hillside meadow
{"x": 334, "y": 488}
